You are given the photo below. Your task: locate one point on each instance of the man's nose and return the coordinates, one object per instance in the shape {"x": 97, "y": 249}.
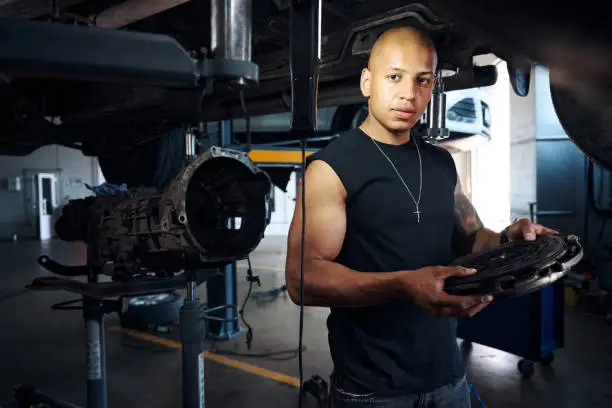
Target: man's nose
{"x": 408, "y": 91}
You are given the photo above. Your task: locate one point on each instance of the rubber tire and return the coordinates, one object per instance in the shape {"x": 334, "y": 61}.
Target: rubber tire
{"x": 526, "y": 368}
{"x": 165, "y": 313}
{"x": 496, "y": 23}
{"x": 152, "y": 164}
{"x": 587, "y": 123}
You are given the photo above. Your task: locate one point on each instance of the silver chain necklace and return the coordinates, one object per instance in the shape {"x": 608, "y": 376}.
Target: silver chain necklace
{"x": 416, "y": 202}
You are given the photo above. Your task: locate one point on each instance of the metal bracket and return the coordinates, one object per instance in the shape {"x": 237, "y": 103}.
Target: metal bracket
{"x": 102, "y": 290}
{"x": 52, "y": 50}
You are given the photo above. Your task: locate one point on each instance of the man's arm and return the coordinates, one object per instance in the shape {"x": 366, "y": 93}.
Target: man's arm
{"x": 472, "y": 235}
{"x": 327, "y": 283}
{"x": 471, "y": 231}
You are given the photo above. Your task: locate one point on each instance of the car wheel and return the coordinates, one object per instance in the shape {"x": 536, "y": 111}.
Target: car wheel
{"x": 151, "y": 164}
{"x": 161, "y": 309}
{"x": 587, "y": 123}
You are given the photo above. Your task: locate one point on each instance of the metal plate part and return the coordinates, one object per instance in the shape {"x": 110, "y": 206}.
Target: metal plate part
{"x": 517, "y": 268}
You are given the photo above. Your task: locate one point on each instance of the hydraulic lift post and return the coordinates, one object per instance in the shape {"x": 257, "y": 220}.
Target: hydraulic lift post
{"x": 221, "y": 291}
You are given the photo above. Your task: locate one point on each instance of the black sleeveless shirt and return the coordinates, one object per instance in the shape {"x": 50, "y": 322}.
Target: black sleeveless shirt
{"x": 395, "y": 347}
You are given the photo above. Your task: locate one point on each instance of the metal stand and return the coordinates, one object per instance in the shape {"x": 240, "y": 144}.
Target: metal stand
{"x": 192, "y": 340}
{"x": 192, "y": 336}
{"x": 93, "y": 312}
{"x": 27, "y": 396}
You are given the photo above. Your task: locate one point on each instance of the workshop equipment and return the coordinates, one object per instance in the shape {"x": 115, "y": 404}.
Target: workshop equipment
{"x": 529, "y": 326}
{"x": 151, "y": 242}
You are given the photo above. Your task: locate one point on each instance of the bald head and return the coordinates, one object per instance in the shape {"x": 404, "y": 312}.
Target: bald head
{"x": 400, "y": 37}
{"x": 398, "y": 81}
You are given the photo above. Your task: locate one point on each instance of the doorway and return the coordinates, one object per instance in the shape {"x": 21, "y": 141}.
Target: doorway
{"x": 46, "y": 194}
{"x": 41, "y": 193}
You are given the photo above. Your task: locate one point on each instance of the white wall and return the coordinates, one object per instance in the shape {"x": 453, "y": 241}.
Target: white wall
{"x": 74, "y": 170}
{"x": 490, "y": 162}
{"x": 283, "y": 212}
{"x": 523, "y": 151}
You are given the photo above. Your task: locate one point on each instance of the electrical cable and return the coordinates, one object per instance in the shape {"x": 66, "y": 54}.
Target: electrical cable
{"x": 250, "y": 279}
{"x": 280, "y": 355}
{"x": 247, "y": 120}
{"x": 12, "y": 295}
{"x": 472, "y": 389}
{"x": 303, "y": 238}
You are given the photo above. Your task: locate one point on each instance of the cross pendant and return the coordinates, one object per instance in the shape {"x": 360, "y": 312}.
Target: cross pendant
{"x": 418, "y": 214}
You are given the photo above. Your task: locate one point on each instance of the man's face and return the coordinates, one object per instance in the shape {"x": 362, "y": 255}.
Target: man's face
{"x": 399, "y": 83}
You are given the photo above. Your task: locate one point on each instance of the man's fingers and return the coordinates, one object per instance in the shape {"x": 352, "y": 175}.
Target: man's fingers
{"x": 529, "y": 232}
{"x": 446, "y": 271}
{"x": 462, "y": 302}
{"x": 460, "y": 312}
{"x": 542, "y": 230}
{"x": 471, "y": 312}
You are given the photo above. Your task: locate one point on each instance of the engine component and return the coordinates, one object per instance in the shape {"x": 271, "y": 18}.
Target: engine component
{"x": 213, "y": 213}
{"x": 517, "y": 268}
{"x": 436, "y": 113}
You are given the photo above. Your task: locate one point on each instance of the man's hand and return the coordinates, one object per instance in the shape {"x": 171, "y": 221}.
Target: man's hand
{"x": 525, "y": 229}
{"x": 426, "y": 287}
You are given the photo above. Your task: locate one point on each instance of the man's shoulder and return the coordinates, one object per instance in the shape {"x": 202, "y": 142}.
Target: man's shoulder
{"x": 341, "y": 145}
{"x": 438, "y": 152}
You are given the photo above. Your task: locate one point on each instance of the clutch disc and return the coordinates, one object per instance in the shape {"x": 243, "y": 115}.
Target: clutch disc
{"x": 516, "y": 268}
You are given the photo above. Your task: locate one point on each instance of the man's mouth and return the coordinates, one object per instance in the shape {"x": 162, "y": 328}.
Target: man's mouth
{"x": 404, "y": 113}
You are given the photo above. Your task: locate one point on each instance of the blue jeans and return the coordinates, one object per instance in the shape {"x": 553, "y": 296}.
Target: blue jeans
{"x": 449, "y": 396}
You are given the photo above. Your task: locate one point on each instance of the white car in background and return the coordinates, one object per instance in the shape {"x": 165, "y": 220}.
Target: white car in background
{"x": 468, "y": 118}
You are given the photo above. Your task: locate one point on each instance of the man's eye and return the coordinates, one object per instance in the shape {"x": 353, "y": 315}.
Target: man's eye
{"x": 424, "y": 81}
{"x": 394, "y": 77}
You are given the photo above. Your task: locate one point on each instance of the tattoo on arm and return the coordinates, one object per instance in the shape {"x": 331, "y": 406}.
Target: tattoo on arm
{"x": 468, "y": 220}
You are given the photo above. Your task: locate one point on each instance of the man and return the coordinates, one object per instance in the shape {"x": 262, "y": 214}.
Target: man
{"x": 382, "y": 209}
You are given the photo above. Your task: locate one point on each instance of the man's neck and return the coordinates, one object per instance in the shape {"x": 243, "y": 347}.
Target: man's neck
{"x": 376, "y": 131}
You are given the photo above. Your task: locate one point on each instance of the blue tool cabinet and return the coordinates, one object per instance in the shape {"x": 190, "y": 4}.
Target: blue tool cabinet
{"x": 530, "y": 326}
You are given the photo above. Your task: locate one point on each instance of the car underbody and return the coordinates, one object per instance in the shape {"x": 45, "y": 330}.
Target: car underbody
{"x": 96, "y": 75}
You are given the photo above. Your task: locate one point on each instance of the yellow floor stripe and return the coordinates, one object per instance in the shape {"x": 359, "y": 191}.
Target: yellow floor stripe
{"x": 240, "y": 365}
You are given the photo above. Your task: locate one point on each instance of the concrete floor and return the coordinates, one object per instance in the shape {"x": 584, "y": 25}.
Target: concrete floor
{"x": 46, "y": 348}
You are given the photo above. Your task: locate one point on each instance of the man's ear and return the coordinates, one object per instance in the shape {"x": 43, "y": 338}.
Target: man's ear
{"x": 365, "y": 82}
